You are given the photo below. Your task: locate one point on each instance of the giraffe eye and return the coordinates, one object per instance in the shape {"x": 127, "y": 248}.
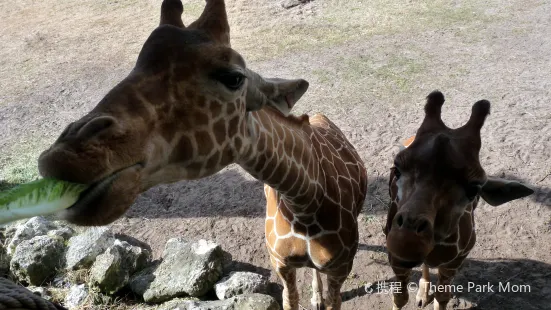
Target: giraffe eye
{"x": 232, "y": 80}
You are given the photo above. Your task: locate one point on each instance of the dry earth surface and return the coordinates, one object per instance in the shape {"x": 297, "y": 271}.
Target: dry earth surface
{"x": 370, "y": 65}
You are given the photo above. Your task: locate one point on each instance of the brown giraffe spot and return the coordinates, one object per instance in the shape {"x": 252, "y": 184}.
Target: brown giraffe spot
{"x": 329, "y": 216}
{"x": 325, "y": 248}
{"x": 300, "y": 229}
{"x": 237, "y": 143}
{"x": 233, "y": 126}
{"x": 215, "y": 108}
{"x": 292, "y": 248}
{"x": 313, "y": 230}
{"x": 213, "y": 160}
{"x": 227, "y": 157}
{"x": 347, "y": 217}
{"x": 261, "y": 144}
{"x": 282, "y": 227}
{"x": 183, "y": 150}
{"x": 200, "y": 118}
{"x": 230, "y": 108}
{"x": 219, "y": 129}
{"x": 298, "y": 150}
{"x": 260, "y": 162}
{"x": 204, "y": 143}
{"x": 201, "y": 101}
{"x": 347, "y": 234}
{"x": 285, "y": 212}
{"x": 305, "y": 219}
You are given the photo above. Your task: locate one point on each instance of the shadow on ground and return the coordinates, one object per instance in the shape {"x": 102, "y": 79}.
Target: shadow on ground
{"x": 485, "y": 284}
{"x": 227, "y": 193}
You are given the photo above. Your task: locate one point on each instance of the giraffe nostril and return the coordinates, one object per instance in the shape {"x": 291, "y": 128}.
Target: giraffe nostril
{"x": 400, "y": 221}
{"x": 422, "y": 226}
{"x": 95, "y": 126}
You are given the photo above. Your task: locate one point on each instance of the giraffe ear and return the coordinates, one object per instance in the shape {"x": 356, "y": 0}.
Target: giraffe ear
{"x": 171, "y": 13}
{"x": 278, "y": 93}
{"x": 499, "y": 191}
{"x": 286, "y": 93}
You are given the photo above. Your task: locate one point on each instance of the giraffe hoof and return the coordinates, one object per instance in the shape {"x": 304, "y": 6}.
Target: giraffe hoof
{"x": 422, "y": 302}
{"x": 319, "y": 306}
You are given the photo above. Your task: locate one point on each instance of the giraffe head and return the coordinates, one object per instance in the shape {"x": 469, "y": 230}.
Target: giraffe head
{"x": 182, "y": 113}
{"x": 435, "y": 178}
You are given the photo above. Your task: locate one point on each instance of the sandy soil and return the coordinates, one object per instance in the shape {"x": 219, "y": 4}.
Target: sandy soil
{"x": 369, "y": 64}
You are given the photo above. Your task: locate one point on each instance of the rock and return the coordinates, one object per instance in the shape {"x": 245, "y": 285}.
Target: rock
{"x": 36, "y": 226}
{"x": 8, "y": 230}
{"x": 176, "y": 303}
{"x": 4, "y": 261}
{"x": 40, "y": 291}
{"x": 112, "y": 270}
{"x": 133, "y": 241}
{"x": 238, "y": 283}
{"x": 187, "y": 269}
{"x": 140, "y": 281}
{"x": 37, "y": 260}
{"x": 77, "y": 296}
{"x": 83, "y": 249}
{"x": 241, "y": 302}
{"x": 63, "y": 232}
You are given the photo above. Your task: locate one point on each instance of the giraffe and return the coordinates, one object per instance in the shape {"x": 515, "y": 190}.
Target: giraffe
{"x": 435, "y": 185}
{"x": 191, "y": 107}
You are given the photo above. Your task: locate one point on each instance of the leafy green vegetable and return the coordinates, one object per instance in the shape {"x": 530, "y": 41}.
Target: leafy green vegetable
{"x": 41, "y": 197}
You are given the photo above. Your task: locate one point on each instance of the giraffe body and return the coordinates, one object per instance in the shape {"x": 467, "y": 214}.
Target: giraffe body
{"x": 435, "y": 186}
{"x": 312, "y": 203}
{"x": 191, "y": 107}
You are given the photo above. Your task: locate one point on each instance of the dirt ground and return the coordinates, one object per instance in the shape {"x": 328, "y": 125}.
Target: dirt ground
{"x": 370, "y": 65}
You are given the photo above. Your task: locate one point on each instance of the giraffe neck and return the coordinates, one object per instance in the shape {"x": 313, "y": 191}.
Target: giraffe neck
{"x": 281, "y": 155}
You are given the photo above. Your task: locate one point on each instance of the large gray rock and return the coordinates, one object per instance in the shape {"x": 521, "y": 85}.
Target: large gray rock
{"x": 83, "y": 249}
{"x": 36, "y": 226}
{"x": 241, "y": 302}
{"x": 238, "y": 283}
{"x": 187, "y": 269}
{"x": 37, "y": 260}
{"x": 141, "y": 281}
{"x": 63, "y": 232}
{"x": 77, "y": 296}
{"x": 112, "y": 270}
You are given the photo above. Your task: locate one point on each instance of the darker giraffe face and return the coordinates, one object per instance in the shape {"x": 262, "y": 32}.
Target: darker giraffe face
{"x": 435, "y": 179}
{"x": 182, "y": 113}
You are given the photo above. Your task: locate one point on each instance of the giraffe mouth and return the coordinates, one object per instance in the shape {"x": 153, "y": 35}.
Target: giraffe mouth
{"x": 99, "y": 188}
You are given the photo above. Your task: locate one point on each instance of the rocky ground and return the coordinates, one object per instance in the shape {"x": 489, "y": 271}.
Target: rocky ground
{"x": 369, "y": 64}
{"x": 94, "y": 268}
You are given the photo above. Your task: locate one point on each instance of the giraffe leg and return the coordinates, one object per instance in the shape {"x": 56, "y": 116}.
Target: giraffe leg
{"x": 317, "y": 290}
{"x": 443, "y": 293}
{"x": 423, "y": 298}
{"x": 400, "y": 293}
{"x": 334, "y": 284}
{"x": 290, "y": 292}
